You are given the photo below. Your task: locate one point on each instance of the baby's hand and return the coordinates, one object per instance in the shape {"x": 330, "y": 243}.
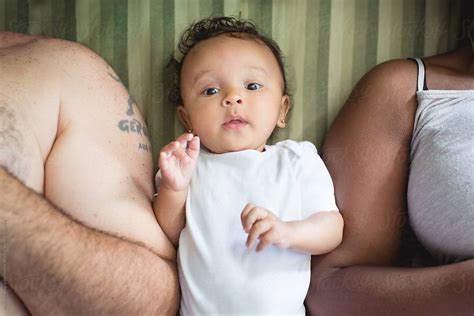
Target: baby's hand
{"x": 264, "y": 225}
{"x": 177, "y": 162}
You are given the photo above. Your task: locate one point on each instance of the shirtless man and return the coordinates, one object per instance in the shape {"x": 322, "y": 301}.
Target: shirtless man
{"x": 77, "y": 231}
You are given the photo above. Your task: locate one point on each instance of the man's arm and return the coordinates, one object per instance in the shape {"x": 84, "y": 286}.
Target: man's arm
{"x": 104, "y": 252}
{"x": 59, "y": 266}
{"x": 367, "y": 153}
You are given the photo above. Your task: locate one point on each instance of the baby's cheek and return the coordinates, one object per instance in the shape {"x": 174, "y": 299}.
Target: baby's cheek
{"x": 208, "y": 140}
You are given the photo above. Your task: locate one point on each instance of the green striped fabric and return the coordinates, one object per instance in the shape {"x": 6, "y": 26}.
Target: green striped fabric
{"x": 328, "y": 45}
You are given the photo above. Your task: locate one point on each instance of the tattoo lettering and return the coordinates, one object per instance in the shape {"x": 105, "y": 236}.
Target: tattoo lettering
{"x": 131, "y": 102}
{"x": 133, "y": 126}
{"x": 143, "y": 146}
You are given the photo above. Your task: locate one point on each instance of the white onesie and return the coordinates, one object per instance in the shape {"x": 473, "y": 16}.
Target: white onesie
{"x": 218, "y": 274}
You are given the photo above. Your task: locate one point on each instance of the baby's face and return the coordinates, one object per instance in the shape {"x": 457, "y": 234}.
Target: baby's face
{"x": 232, "y": 92}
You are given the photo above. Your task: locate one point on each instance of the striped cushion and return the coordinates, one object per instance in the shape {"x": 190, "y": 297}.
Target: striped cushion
{"x": 328, "y": 44}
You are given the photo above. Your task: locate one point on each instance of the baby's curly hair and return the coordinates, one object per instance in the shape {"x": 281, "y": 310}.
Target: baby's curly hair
{"x": 212, "y": 27}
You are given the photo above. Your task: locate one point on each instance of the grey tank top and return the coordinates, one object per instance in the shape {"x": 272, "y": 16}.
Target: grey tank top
{"x": 441, "y": 178}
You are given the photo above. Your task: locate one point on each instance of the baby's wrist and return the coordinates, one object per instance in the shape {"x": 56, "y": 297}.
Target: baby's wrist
{"x": 168, "y": 190}
{"x": 290, "y": 234}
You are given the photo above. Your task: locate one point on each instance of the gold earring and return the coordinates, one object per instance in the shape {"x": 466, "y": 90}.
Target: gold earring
{"x": 190, "y": 130}
{"x": 283, "y": 121}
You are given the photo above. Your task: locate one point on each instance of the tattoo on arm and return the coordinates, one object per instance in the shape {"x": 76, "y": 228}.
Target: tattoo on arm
{"x": 131, "y": 125}
{"x": 131, "y": 102}
{"x": 134, "y": 126}
{"x": 143, "y": 147}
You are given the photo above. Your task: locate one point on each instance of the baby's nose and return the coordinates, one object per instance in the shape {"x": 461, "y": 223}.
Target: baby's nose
{"x": 232, "y": 99}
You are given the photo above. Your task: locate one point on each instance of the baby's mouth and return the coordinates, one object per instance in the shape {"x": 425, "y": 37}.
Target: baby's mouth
{"x": 235, "y": 122}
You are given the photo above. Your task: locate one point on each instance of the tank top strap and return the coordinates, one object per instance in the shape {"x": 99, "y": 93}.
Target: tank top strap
{"x": 421, "y": 81}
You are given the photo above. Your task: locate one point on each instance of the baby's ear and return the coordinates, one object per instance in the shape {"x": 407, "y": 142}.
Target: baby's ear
{"x": 184, "y": 117}
{"x": 284, "y": 108}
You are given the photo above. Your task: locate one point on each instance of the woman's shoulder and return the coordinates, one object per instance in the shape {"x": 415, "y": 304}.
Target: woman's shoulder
{"x": 385, "y": 92}
{"x": 395, "y": 67}
{"x": 381, "y": 106}
{"x": 388, "y": 89}
{"x": 390, "y": 78}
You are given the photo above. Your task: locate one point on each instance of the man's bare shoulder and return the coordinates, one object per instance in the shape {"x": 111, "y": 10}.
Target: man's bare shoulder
{"x": 67, "y": 57}
{"x": 44, "y": 46}
{"x": 14, "y": 41}
{"x": 99, "y": 169}
{"x": 65, "y": 62}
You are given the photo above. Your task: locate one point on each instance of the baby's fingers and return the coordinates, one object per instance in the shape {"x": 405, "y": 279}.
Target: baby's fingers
{"x": 243, "y": 215}
{"x": 182, "y": 157}
{"x": 168, "y": 149}
{"x": 193, "y": 148}
{"x": 258, "y": 229}
{"x": 180, "y": 143}
{"x": 265, "y": 240}
{"x": 163, "y": 162}
{"x": 183, "y": 139}
{"x": 251, "y": 214}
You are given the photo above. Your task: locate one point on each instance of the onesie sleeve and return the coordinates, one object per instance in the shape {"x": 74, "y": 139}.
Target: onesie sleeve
{"x": 317, "y": 189}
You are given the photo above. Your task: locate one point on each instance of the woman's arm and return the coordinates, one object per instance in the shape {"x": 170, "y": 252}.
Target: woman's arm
{"x": 367, "y": 153}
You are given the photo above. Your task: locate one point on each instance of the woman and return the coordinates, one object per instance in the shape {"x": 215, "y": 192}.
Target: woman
{"x": 397, "y": 148}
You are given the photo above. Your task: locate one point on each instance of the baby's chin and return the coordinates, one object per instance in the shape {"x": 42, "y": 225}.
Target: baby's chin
{"x": 230, "y": 148}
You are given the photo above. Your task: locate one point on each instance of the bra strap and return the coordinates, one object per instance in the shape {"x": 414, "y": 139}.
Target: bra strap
{"x": 421, "y": 81}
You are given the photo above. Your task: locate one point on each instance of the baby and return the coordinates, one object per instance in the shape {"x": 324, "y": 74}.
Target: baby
{"x": 221, "y": 189}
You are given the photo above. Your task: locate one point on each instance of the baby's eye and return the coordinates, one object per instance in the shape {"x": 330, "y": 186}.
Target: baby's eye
{"x": 210, "y": 91}
{"x": 254, "y": 86}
